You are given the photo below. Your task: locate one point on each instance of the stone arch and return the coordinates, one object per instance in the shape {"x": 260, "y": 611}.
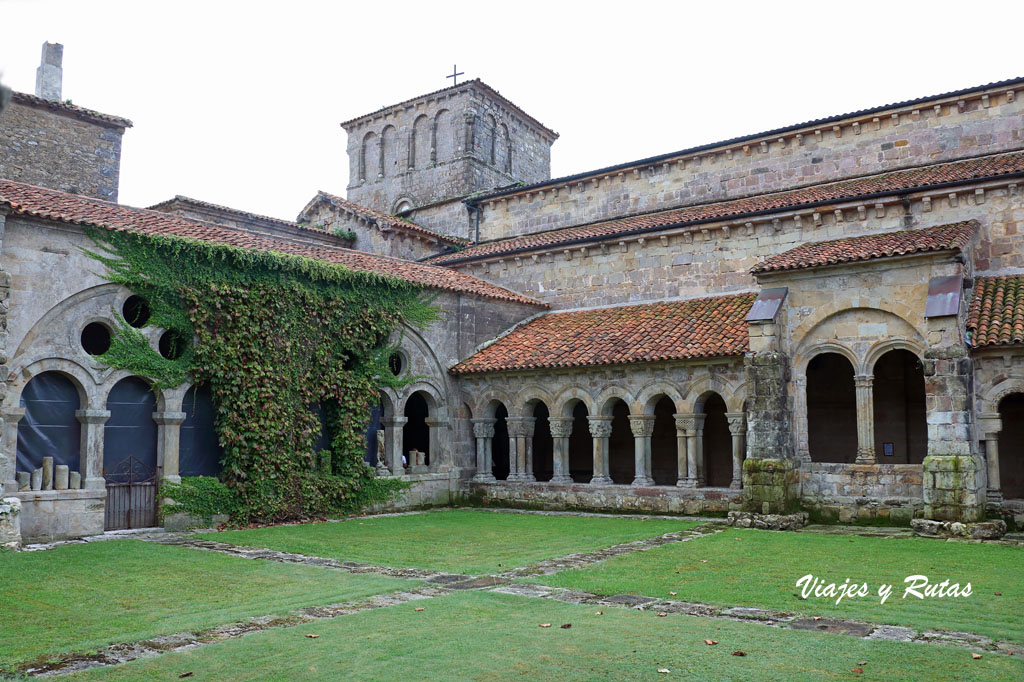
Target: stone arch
{"x": 716, "y": 446}
{"x": 608, "y": 397}
{"x": 529, "y": 395}
{"x": 831, "y": 408}
{"x": 737, "y": 399}
{"x": 485, "y": 403}
{"x": 649, "y": 395}
{"x": 389, "y": 151}
{"x": 403, "y": 204}
{"x": 388, "y": 400}
{"x": 823, "y": 313}
{"x": 421, "y": 143}
{"x": 442, "y": 137}
{"x": 418, "y": 408}
{"x": 566, "y": 400}
{"x": 995, "y": 394}
{"x": 83, "y": 380}
{"x": 48, "y": 425}
{"x": 880, "y": 348}
{"x": 431, "y": 393}
{"x": 700, "y": 388}
{"x": 369, "y": 157}
{"x": 899, "y": 405}
{"x": 804, "y": 358}
{"x": 1011, "y": 445}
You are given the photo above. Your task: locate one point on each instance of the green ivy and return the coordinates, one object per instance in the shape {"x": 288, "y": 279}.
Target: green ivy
{"x": 201, "y": 497}
{"x": 274, "y": 335}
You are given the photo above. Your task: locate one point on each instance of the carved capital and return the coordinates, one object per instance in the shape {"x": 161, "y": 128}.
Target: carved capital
{"x": 600, "y": 427}
{"x": 168, "y": 418}
{"x": 520, "y": 427}
{"x": 737, "y": 423}
{"x": 483, "y": 428}
{"x": 92, "y": 416}
{"x": 689, "y": 422}
{"x": 642, "y": 425}
{"x": 561, "y": 427}
{"x": 395, "y": 422}
{"x": 864, "y": 381}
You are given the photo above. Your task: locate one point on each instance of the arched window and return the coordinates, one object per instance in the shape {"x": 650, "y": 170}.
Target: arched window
{"x": 369, "y": 158}
{"x": 416, "y": 432}
{"x": 49, "y": 427}
{"x": 664, "y": 440}
{"x": 502, "y": 465}
{"x": 831, "y": 409}
{"x": 620, "y": 445}
{"x": 199, "y": 451}
{"x": 581, "y": 445}
{"x": 901, "y": 427}
{"x": 420, "y": 144}
{"x": 129, "y": 456}
{"x": 443, "y": 137}
{"x": 717, "y": 446}
{"x": 1011, "y": 446}
{"x": 388, "y": 152}
{"x": 543, "y": 444}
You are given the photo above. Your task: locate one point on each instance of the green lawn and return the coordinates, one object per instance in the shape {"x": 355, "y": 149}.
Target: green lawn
{"x": 464, "y": 541}
{"x": 760, "y": 569}
{"x": 488, "y": 636}
{"x": 81, "y": 597}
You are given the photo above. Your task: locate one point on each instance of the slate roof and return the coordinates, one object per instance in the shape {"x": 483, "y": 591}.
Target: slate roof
{"x": 70, "y": 109}
{"x": 885, "y": 183}
{"x": 382, "y": 219}
{"x": 50, "y": 204}
{"x": 869, "y": 247}
{"x": 673, "y": 330}
{"x": 996, "y": 317}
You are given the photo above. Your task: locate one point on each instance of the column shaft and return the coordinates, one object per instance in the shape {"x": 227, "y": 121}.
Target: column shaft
{"x": 865, "y": 419}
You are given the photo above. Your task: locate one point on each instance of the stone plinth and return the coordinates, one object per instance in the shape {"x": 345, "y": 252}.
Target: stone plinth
{"x": 954, "y": 488}
{"x": 771, "y": 486}
{"x": 10, "y": 523}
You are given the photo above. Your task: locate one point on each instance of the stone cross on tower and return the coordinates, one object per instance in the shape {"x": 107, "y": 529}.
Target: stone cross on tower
{"x": 455, "y": 75}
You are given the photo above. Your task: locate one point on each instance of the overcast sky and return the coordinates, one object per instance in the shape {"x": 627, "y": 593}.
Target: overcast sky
{"x": 239, "y": 103}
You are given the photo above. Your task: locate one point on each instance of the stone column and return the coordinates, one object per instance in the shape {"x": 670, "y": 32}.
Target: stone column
{"x": 439, "y": 455}
{"x": 990, "y": 425}
{"x": 9, "y": 448}
{"x": 526, "y": 451}
{"x": 561, "y": 429}
{"x": 803, "y": 449}
{"x": 393, "y": 441}
{"x": 693, "y": 426}
{"x": 601, "y": 430}
{"x": 698, "y": 437}
{"x": 682, "y": 448}
{"x": 483, "y": 430}
{"x": 738, "y": 428}
{"x": 865, "y": 419}
{"x": 91, "y": 450}
{"x": 168, "y": 438}
{"x": 516, "y": 438}
{"x": 642, "y": 427}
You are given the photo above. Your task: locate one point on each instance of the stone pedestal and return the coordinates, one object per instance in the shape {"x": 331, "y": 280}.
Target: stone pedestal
{"x": 771, "y": 486}
{"x": 10, "y": 523}
{"x": 954, "y": 488}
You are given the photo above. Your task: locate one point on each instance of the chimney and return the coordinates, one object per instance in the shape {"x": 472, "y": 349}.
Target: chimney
{"x": 48, "y": 75}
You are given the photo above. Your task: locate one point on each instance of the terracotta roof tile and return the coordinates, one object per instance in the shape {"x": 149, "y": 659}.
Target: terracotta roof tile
{"x": 382, "y": 219}
{"x": 71, "y": 109}
{"x": 854, "y": 249}
{"x": 982, "y": 167}
{"x": 675, "y": 330}
{"x": 996, "y": 317}
{"x": 72, "y": 208}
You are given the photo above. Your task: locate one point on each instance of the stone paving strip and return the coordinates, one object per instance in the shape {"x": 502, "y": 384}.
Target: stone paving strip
{"x": 778, "y": 619}
{"x": 124, "y": 652}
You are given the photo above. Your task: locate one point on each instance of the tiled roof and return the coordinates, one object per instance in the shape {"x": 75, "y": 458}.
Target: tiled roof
{"x": 382, "y": 219}
{"x": 915, "y": 178}
{"x": 1010, "y": 83}
{"x": 997, "y": 311}
{"x": 869, "y": 247}
{"x": 71, "y": 109}
{"x": 72, "y": 208}
{"x": 180, "y": 201}
{"x": 674, "y": 330}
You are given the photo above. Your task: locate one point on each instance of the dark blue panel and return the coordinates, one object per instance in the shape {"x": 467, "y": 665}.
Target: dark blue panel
{"x": 199, "y": 451}
{"x": 130, "y": 431}
{"x": 49, "y": 427}
{"x": 323, "y": 441}
{"x": 376, "y": 414}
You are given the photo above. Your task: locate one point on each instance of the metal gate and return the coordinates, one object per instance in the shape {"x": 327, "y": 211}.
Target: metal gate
{"x": 131, "y": 496}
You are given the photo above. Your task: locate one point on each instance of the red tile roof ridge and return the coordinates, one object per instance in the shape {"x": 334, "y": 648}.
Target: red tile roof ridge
{"x": 49, "y": 204}
{"x": 996, "y": 313}
{"x": 381, "y": 217}
{"x": 229, "y": 209}
{"x": 541, "y": 238}
{"x": 946, "y": 237}
{"x": 72, "y": 109}
{"x": 704, "y": 327}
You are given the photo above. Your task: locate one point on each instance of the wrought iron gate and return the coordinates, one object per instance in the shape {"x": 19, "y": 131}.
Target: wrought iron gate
{"x": 131, "y": 496}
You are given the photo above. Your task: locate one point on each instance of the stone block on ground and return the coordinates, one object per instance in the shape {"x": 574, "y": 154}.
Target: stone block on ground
{"x": 10, "y": 523}
{"x": 984, "y": 530}
{"x": 742, "y": 519}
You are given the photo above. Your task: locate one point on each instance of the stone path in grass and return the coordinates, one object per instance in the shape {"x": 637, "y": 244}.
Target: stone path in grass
{"x": 439, "y": 583}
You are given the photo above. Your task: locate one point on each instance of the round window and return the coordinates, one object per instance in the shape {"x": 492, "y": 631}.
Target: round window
{"x": 136, "y": 311}
{"x": 395, "y": 364}
{"x": 172, "y": 344}
{"x": 96, "y": 338}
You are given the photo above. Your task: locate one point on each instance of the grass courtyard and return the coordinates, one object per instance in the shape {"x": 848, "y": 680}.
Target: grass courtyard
{"x": 80, "y": 598}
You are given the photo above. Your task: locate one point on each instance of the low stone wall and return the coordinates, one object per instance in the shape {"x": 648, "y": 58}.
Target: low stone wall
{"x": 428, "y": 490}
{"x": 607, "y": 498}
{"x": 1012, "y": 511}
{"x": 846, "y": 493}
{"x": 51, "y": 515}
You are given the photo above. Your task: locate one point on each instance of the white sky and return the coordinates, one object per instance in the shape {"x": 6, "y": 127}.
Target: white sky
{"x": 239, "y": 103}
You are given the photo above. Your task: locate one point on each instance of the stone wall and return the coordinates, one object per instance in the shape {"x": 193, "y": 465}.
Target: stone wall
{"x": 448, "y": 144}
{"x": 54, "y": 148}
{"x": 369, "y": 236}
{"x": 606, "y": 498}
{"x": 981, "y": 123}
{"x": 51, "y": 515}
{"x": 716, "y": 257}
{"x": 847, "y": 493}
